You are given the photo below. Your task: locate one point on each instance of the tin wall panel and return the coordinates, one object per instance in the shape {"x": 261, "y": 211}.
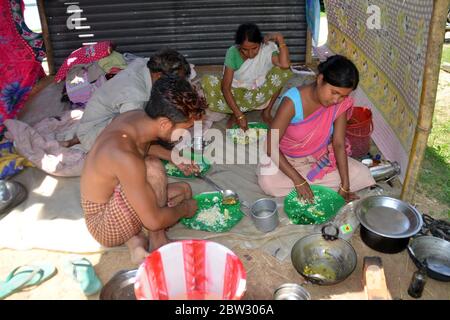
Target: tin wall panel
{"x": 201, "y": 29}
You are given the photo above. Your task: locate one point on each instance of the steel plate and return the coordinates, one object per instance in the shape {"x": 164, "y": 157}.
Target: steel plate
{"x": 120, "y": 287}
{"x": 389, "y": 217}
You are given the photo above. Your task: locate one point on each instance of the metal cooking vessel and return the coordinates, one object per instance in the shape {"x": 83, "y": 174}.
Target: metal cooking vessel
{"x": 12, "y": 193}
{"x": 291, "y": 291}
{"x": 264, "y": 214}
{"x": 323, "y": 259}
{"x": 387, "y": 223}
{"x": 120, "y": 287}
{"x": 432, "y": 254}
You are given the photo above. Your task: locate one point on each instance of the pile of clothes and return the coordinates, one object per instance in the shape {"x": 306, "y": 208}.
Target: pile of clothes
{"x": 87, "y": 68}
{"x": 84, "y": 71}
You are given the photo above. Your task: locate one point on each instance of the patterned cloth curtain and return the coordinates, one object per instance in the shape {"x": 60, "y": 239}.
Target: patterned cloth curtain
{"x": 387, "y": 40}
{"x": 20, "y": 54}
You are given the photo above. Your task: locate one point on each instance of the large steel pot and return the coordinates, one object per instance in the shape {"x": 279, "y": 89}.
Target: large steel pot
{"x": 387, "y": 223}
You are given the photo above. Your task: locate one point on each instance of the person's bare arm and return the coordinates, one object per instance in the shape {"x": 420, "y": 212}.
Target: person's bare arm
{"x": 340, "y": 125}
{"x": 131, "y": 171}
{"x": 281, "y": 121}
{"x": 159, "y": 152}
{"x": 165, "y": 154}
{"x": 281, "y": 60}
{"x": 228, "y": 95}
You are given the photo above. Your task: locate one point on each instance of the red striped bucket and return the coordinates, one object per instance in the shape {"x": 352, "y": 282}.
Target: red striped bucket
{"x": 191, "y": 270}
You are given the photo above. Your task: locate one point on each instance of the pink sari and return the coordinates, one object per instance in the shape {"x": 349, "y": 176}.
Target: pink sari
{"x": 312, "y": 137}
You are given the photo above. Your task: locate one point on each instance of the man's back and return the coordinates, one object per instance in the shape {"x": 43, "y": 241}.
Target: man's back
{"x": 129, "y": 90}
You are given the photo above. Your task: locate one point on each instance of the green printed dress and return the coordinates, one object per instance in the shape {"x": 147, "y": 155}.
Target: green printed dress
{"x": 273, "y": 78}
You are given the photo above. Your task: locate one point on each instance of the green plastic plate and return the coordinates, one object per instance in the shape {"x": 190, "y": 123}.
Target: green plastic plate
{"x": 235, "y": 133}
{"x": 327, "y": 203}
{"x": 232, "y": 214}
{"x": 173, "y": 171}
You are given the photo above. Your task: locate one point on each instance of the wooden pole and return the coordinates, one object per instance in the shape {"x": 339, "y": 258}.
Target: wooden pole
{"x": 428, "y": 97}
{"x": 308, "y": 56}
{"x": 46, "y": 36}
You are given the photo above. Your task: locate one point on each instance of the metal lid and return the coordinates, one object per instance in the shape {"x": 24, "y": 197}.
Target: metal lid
{"x": 389, "y": 217}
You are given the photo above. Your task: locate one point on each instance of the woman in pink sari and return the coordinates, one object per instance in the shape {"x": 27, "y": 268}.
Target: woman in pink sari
{"x": 312, "y": 122}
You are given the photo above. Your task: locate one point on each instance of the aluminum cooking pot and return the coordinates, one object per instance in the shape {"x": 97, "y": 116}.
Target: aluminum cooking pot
{"x": 387, "y": 223}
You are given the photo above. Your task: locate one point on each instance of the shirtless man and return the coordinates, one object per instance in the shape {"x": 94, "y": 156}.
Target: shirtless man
{"x": 123, "y": 189}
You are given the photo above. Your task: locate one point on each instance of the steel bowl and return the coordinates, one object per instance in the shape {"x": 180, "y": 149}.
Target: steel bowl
{"x": 323, "y": 261}
{"x": 387, "y": 223}
{"x": 120, "y": 287}
{"x": 12, "y": 193}
{"x": 433, "y": 254}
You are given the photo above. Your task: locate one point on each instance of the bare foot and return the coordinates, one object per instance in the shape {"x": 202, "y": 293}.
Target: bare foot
{"x": 138, "y": 247}
{"x": 157, "y": 239}
{"x": 231, "y": 121}
{"x": 267, "y": 116}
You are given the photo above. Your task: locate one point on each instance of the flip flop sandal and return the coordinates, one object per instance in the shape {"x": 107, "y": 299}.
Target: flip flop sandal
{"x": 24, "y": 277}
{"x": 83, "y": 272}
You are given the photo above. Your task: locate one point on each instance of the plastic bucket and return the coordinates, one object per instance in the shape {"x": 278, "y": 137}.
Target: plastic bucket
{"x": 359, "y": 130}
{"x": 191, "y": 270}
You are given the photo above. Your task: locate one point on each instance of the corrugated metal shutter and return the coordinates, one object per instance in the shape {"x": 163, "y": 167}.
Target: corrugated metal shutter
{"x": 201, "y": 29}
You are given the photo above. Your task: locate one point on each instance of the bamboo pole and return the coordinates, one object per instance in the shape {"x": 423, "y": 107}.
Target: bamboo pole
{"x": 46, "y": 36}
{"x": 428, "y": 97}
{"x": 308, "y": 56}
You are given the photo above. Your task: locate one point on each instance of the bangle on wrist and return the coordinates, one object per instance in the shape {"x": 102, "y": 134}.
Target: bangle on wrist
{"x": 241, "y": 117}
{"x": 301, "y": 184}
{"x": 346, "y": 191}
{"x": 281, "y": 45}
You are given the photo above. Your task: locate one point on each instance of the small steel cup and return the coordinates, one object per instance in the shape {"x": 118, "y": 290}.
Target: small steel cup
{"x": 264, "y": 214}
{"x": 291, "y": 291}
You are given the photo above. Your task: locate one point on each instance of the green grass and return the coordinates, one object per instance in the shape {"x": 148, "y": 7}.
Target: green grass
{"x": 445, "y": 52}
{"x": 434, "y": 178}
